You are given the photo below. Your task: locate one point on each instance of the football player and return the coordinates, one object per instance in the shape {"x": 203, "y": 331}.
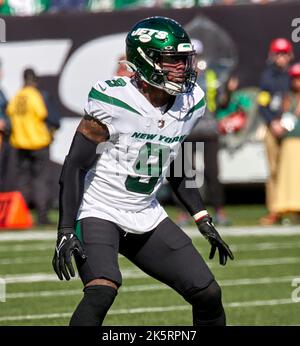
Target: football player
{"x": 132, "y": 131}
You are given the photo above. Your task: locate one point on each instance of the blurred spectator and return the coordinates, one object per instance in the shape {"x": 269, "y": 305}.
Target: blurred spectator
{"x": 54, "y": 116}
{"x": 53, "y": 124}
{"x": 127, "y": 4}
{"x": 4, "y": 138}
{"x": 186, "y": 3}
{"x": 232, "y": 108}
{"x": 236, "y": 2}
{"x": 192, "y": 3}
{"x": 263, "y": 2}
{"x": 110, "y": 5}
{"x": 100, "y": 5}
{"x": 244, "y": 2}
{"x": 288, "y": 183}
{"x": 32, "y": 7}
{"x": 228, "y": 2}
{"x": 67, "y": 5}
{"x": 27, "y": 112}
{"x": 23, "y": 7}
{"x": 4, "y": 7}
{"x": 275, "y": 82}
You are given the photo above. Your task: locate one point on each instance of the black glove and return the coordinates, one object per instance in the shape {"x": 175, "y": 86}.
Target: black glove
{"x": 207, "y": 229}
{"x": 67, "y": 243}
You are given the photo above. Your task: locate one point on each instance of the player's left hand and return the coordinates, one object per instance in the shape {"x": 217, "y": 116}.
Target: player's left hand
{"x": 207, "y": 229}
{"x": 67, "y": 243}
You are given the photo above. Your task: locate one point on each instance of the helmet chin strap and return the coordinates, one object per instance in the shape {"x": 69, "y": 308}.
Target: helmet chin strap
{"x": 172, "y": 88}
{"x": 129, "y": 65}
{"x": 169, "y": 87}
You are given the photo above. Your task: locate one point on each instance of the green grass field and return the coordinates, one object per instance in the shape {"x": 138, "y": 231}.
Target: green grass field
{"x": 257, "y": 286}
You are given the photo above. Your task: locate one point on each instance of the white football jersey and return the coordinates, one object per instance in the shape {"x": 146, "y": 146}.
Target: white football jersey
{"x": 121, "y": 187}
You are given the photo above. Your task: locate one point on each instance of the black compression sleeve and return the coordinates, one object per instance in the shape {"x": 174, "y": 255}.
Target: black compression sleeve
{"x": 81, "y": 157}
{"x": 189, "y": 196}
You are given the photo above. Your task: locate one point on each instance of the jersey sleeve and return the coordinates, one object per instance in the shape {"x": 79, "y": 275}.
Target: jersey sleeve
{"x": 199, "y": 104}
{"x": 98, "y": 106}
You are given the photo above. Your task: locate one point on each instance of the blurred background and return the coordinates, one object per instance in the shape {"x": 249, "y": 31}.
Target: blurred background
{"x": 247, "y": 55}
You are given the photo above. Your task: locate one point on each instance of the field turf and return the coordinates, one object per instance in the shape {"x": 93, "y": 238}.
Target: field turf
{"x": 257, "y": 286}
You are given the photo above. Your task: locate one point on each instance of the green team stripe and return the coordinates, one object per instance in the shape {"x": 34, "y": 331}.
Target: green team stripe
{"x": 78, "y": 230}
{"x": 200, "y": 104}
{"x": 97, "y": 95}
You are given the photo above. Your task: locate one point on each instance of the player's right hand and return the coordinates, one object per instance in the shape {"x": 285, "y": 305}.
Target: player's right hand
{"x": 67, "y": 243}
{"x": 207, "y": 229}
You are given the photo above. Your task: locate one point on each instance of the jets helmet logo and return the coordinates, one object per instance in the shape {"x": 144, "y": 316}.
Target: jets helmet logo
{"x": 145, "y": 35}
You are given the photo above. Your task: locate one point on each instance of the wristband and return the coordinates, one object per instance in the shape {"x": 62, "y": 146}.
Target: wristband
{"x": 200, "y": 215}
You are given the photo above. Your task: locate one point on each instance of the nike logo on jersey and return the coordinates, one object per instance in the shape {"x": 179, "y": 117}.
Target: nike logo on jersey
{"x": 103, "y": 89}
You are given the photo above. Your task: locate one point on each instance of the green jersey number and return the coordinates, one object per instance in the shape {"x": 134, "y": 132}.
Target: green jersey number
{"x": 148, "y": 165}
{"x": 116, "y": 82}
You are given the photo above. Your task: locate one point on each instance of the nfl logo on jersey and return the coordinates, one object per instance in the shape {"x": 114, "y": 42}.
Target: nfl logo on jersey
{"x": 161, "y": 123}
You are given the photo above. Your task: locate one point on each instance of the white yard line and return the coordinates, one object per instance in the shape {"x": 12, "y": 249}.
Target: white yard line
{"x": 23, "y": 260}
{"x": 135, "y": 273}
{"x": 47, "y": 277}
{"x": 254, "y": 303}
{"x": 243, "y": 247}
{"x": 26, "y": 247}
{"x": 192, "y": 231}
{"x": 236, "y": 263}
{"x": 264, "y": 262}
{"x": 250, "y": 303}
{"x": 57, "y": 293}
{"x": 250, "y": 231}
{"x": 144, "y": 288}
{"x": 263, "y": 246}
{"x": 27, "y": 235}
{"x": 35, "y": 317}
{"x": 256, "y": 281}
{"x": 30, "y": 278}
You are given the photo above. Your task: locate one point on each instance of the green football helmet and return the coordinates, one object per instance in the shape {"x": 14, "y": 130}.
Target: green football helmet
{"x": 155, "y": 43}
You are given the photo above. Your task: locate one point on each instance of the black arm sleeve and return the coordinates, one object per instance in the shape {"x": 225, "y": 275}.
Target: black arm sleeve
{"x": 190, "y": 197}
{"x": 81, "y": 157}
